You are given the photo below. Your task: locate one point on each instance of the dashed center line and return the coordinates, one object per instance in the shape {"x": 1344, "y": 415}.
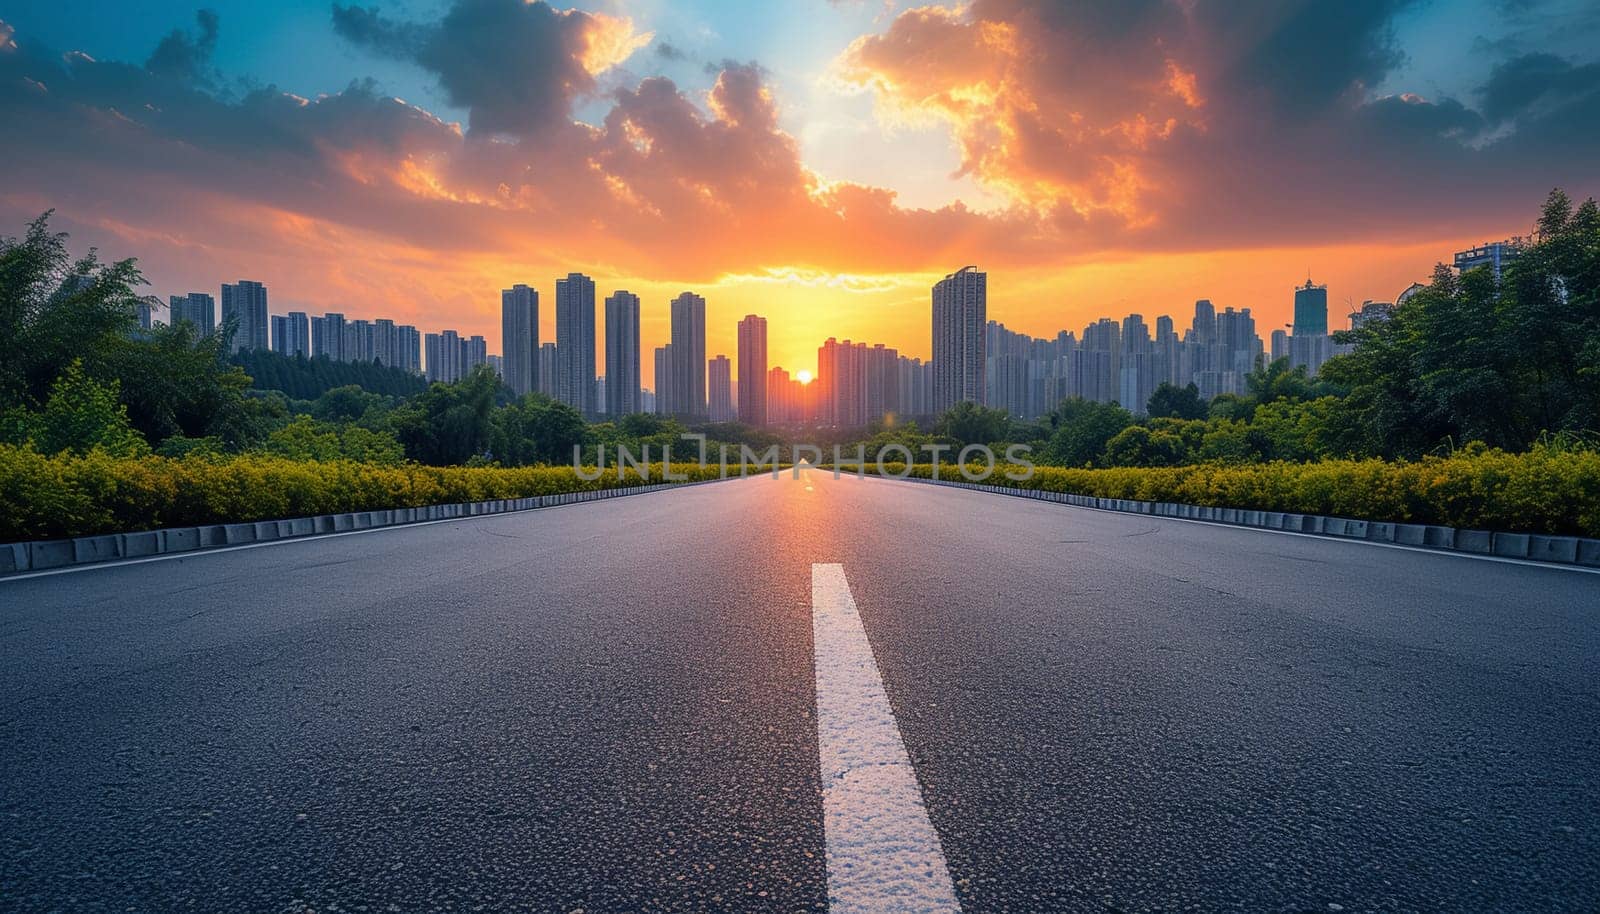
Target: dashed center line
{"x": 883, "y": 854}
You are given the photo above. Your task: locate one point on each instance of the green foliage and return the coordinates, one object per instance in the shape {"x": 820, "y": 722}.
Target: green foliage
{"x": 1138, "y": 446}
{"x": 448, "y": 424}
{"x": 177, "y": 383}
{"x": 307, "y": 379}
{"x": 1545, "y": 490}
{"x": 1468, "y": 358}
{"x": 1171, "y": 401}
{"x": 66, "y": 495}
{"x": 536, "y": 430}
{"x": 54, "y": 310}
{"x": 1080, "y": 431}
{"x": 968, "y": 423}
{"x": 81, "y": 415}
{"x": 1277, "y": 381}
{"x": 305, "y": 438}
{"x": 906, "y": 435}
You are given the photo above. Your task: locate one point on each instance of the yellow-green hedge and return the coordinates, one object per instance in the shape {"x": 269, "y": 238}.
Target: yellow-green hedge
{"x": 44, "y": 497}
{"x": 1543, "y": 491}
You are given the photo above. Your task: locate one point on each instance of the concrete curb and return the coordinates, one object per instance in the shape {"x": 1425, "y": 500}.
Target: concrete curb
{"x": 83, "y": 550}
{"x": 1563, "y": 550}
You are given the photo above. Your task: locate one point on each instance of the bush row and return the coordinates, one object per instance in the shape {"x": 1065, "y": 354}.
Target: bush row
{"x": 1546, "y": 490}
{"x": 44, "y": 497}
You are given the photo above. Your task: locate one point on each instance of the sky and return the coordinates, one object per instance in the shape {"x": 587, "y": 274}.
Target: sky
{"x": 819, "y": 162}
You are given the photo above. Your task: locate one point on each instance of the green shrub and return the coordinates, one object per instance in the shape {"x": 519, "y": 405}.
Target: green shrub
{"x": 1546, "y": 490}
{"x": 43, "y": 497}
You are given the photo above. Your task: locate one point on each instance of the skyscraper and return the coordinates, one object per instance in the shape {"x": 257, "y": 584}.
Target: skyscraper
{"x": 663, "y": 370}
{"x": 753, "y": 370}
{"x": 689, "y": 355}
{"x": 719, "y": 386}
{"x": 408, "y": 348}
{"x": 519, "y": 337}
{"x": 280, "y": 334}
{"x": 622, "y": 353}
{"x": 1310, "y": 309}
{"x": 960, "y": 305}
{"x": 547, "y": 369}
{"x": 327, "y": 336}
{"x": 245, "y": 303}
{"x": 291, "y": 334}
{"x": 198, "y": 308}
{"x": 575, "y": 342}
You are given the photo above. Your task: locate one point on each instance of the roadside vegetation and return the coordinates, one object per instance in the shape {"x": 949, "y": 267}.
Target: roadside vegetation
{"x": 1477, "y": 403}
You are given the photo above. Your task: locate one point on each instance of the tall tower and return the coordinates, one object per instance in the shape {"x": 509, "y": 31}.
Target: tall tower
{"x": 1310, "y": 309}
{"x": 575, "y": 343}
{"x": 689, "y": 355}
{"x": 622, "y": 353}
{"x": 753, "y": 370}
{"x": 719, "y": 375}
{"x": 519, "y": 337}
{"x": 245, "y": 302}
{"x": 960, "y": 308}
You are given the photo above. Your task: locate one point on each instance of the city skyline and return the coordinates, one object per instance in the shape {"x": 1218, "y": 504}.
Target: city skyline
{"x": 820, "y": 183}
{"x": 192, "y": 305}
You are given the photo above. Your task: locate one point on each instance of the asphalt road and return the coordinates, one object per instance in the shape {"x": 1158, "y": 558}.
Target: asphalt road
{"x": 614, "y": 707}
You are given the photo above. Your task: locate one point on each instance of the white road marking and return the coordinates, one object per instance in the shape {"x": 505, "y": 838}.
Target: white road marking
{"x": 883, "y": 854}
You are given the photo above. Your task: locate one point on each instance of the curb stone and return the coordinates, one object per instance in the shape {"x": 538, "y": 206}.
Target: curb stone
{"x": 84, "y": 550}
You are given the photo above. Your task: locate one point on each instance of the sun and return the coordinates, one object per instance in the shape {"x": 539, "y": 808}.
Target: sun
{"x": 803, "y": 376}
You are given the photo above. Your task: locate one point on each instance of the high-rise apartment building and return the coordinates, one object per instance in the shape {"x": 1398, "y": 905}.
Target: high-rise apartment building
{"x": 622, "y": 353}
{"x": 575, "y": 343}
{"x": 719, "y": 389}
{"x": 753, "y": 370}
{"x": 327, "y": 336}
{"x": 474, "y": 352}
{"x": 519, "y": 337}
{"x": 688, "y": 358}
{"x": 960, "y": 305}
{"x": 198, "y": 308}
{"x": 291, "y": 334}
{"x": 547, "y": 369}
{"x": 408, "y": 349}
{"x": 244, "y": 307}
{"x": 663, "y": 373}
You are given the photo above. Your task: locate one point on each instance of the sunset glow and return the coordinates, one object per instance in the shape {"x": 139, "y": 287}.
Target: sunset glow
{"x": 818, "y": 163}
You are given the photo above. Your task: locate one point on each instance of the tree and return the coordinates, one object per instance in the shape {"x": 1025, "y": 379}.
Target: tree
{"x": 54, "y": 310}
{"x": 1137, "y": 446}
{"x": 969, "y": 423}
{"x": 1471, "y": 358}
{"x": 1171, "y": 401}
{"x": 175, "y": 382}
{"x": 1081, "y": 429}
{"x": 448, "y": 424}
{"x": 1277, "y": 381}
{"x": 536, "y": 429}
{"x": 82, "y": 415}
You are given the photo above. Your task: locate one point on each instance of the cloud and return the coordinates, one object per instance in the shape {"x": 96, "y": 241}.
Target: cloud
{"x": 1535, "y": 82}
{"x": 187, "y": 57}
{"x": 516, "y": 66}
{"x": 1165, "y": 125}
{"x": 1112, "y": 130}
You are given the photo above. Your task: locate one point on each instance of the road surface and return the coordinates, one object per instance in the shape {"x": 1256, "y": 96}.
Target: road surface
{"x": 630, "y": 705}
